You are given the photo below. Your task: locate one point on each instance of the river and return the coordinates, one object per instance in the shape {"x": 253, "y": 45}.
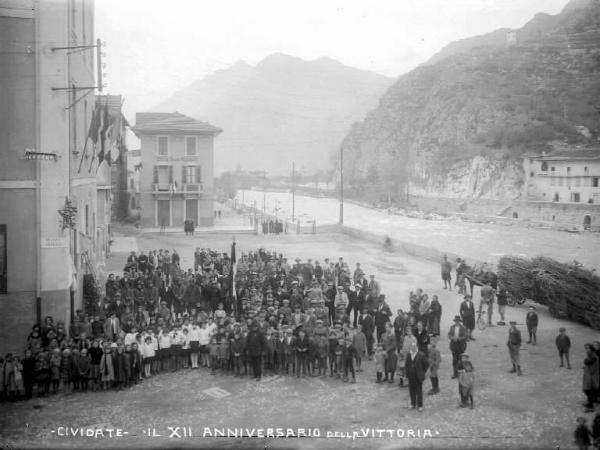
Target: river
{"x": 481, "y": 241}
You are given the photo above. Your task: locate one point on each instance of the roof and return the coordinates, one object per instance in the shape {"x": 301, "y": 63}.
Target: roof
{"x": 160, "y": 122}
{"x": 569, "y": 155}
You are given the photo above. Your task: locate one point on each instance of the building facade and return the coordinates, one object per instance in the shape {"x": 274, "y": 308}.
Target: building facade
{"x": 566, "y": 178}
{"x": 55, "y": 201}
{"x": 177, "y": 154}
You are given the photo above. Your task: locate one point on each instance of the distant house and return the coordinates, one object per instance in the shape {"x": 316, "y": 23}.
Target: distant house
{"x": 177, "y": 169}
{"x": 567, "y": 177}
{"x": 564, "y": 176}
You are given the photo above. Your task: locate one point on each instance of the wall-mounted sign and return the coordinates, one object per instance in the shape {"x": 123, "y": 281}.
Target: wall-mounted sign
{"x": 54, "y": 242}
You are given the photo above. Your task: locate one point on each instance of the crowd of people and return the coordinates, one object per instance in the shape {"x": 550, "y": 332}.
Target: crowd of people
{"x": 304, "y": 319}
{"x": 258, "y": 316}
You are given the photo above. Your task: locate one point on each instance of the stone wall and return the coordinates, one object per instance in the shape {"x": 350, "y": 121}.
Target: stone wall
{"x": 559, "y": 215}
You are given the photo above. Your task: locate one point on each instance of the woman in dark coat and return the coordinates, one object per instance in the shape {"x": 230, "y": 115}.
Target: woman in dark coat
{"x": 591, "y": 379}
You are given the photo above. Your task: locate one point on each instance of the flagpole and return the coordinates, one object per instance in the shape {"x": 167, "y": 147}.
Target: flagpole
{"x": 83, "y": 153}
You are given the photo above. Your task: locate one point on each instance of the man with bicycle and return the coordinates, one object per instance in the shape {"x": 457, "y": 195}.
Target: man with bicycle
{"x": 487, "y": 298}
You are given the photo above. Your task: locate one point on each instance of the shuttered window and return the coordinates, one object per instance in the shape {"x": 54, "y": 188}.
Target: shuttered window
{"x": 189, "y": 175}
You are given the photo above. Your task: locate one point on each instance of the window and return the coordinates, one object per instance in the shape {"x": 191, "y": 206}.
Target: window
{"x": 544, "y": 166}
{"x": 585, "y": 170}
{"x": 531, "y": 174}
{"x": 553, "y": 169}
{"x": 595, "y": 182}
{"x": 568, "y": 170}
{"x": 190, "y": 146}
{"x": 3, "y": 260}
{"x": 556, "y": 197}
{"x": 163, "y": 145}
{"x": 575, "y": 197}
{"x": 189, "y": 175}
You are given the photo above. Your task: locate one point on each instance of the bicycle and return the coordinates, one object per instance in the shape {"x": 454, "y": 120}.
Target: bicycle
{"x": 512, "y": 301}
{"x": 482, "y": 319}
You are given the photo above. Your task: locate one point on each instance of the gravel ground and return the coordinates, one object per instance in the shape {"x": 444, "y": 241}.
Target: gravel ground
{"x": 536, "y": 410}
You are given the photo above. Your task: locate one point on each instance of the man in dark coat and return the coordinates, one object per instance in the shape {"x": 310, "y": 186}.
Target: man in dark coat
{"x": 382, "y": 316}
{"x": 416, "y": 366}
{"x": 400, "y": 323}
{"x": 467, "y": 315}
{"x": 458, "y": 343}
{"x": 532, "y": 323}
{"x": 368, "y": 327}
{"x": 255, "y": 346}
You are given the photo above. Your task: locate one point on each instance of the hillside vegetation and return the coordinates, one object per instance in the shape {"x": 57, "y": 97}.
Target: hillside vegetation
{"x": 481, "y": 99}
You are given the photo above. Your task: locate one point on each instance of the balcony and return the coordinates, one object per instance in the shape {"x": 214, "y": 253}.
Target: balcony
{"x": 162, "y": 188}
{"x": 193, "y": 188}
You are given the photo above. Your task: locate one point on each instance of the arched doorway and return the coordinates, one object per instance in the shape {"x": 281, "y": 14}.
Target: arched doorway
{"x": 587, "y": 222}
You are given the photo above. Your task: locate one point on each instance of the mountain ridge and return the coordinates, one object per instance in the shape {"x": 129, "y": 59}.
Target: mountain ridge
{"x": 283, "y": 109}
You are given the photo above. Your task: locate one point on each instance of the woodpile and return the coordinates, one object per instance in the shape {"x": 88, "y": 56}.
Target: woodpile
{"x": 568, "y": 290}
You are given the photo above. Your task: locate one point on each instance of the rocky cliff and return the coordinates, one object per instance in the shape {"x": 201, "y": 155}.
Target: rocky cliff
{"x": 458, "y": 125}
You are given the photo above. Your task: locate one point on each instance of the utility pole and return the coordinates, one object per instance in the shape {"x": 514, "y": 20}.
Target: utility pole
{"x": 341, "y": 185}
{"x": 293, "y": 192}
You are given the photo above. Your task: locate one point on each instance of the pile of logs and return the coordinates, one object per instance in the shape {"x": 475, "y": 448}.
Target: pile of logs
{"x": 567, "y": 289}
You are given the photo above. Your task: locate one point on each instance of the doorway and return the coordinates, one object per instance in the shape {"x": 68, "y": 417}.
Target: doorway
{"x": 163, "y": 213}
{"x": 587, "y": 222}
{"x": 191, "y": 210}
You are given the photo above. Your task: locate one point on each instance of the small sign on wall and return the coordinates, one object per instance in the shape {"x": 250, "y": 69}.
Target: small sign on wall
{"x": 54, "y": 242}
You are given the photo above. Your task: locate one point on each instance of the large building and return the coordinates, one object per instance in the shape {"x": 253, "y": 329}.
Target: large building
{"x": 177, "y": 169}
{"x": 55, "y": 197}
{"x": 568, "y": 177}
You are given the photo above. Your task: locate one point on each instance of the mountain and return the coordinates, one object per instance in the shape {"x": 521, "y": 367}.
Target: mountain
{"x": 458, "y": 125}
{"x": 280, "y": 111}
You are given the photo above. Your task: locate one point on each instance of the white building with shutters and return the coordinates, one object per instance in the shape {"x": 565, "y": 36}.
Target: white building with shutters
{"x": 177, "y": 169}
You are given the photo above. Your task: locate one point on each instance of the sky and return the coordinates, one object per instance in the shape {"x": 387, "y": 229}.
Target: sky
{"x": 156, "y": 47}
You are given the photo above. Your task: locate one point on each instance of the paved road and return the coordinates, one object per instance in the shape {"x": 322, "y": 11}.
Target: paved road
{"x": 486, "y": 242}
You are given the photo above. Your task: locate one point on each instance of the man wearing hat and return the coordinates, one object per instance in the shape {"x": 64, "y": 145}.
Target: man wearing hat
{"x": 340, "y": 303}
{"x": 256, "y": 345}
{"x": 532, "y": 323}
{"x": 318, "y": 271}
{"x": 563, "y": 344}
{"x": 458, "y": 343}
{"x": 416, "y": 366}
{"x": 383, "y": 315}
{"x": 514, "y": 345}
{"x": 368, "y": 328}
{"x": 374, "y": 290}
{"x": 358, "y": 275}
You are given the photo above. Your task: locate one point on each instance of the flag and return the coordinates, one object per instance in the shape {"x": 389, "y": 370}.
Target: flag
{"x": 103, "y": 130}
{"x": 95, "y": 124}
